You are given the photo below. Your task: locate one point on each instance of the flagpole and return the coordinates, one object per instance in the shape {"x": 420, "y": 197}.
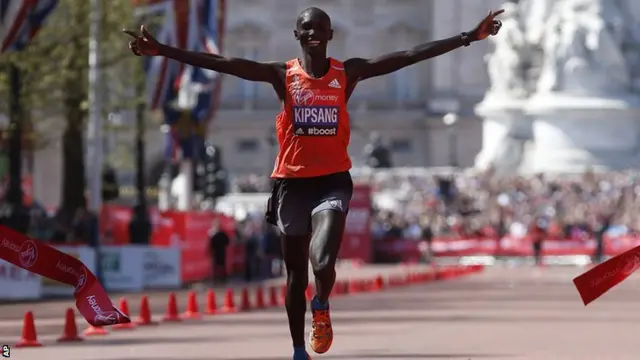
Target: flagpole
{"x": 94, "y": 133}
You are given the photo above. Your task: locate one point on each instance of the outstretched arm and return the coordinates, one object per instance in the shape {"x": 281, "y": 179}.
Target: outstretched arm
{"x": 145, "y": 44}
{"x": 243, "y": 68}
{"x": 359, "y": 69}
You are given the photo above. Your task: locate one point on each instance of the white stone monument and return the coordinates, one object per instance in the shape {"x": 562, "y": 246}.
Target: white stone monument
{"x": 584, "y": 112}
{"x": 505, "y": 129}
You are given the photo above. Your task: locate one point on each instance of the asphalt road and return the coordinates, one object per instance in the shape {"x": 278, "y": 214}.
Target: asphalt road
{"x": 502, "y": 313}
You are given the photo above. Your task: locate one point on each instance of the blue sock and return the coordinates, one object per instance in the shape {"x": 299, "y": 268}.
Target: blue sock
{"x": 316, "y": 304}
{"x": 300, "y": 353}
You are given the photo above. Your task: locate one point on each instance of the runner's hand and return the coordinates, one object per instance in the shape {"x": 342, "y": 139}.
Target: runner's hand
{"x": 143, "y": 43}
{"x": 488, "y": 26}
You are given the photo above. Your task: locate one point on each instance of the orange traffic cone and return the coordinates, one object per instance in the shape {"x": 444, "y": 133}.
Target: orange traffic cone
{"x": 260, "y": 298}
{"x": 308, "y": 293}
{"x": 145, "y": 313}
{"x": 273, "y": 296}
{"x": 245, "y": 304}
{"x": 192, "y": 307}
{"x": 378, "y": 284}
{"x": 70, "y": 330}
{"x": 124, "y": 307}
{"x": 95, "y": 331}
{"x": 229, "y": 302}
{"x": 29, "y": 337}
{"x": 354, "y": 287}
{"x": 171, "y": 314}
{"x": 211, "y": 307}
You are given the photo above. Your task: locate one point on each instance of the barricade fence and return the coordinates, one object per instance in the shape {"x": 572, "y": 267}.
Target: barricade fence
{"x": 411, "y": 249}
{"x": 130, "y": 268}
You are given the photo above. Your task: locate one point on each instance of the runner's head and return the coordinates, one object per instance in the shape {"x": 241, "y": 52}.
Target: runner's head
{"x": 313, "y": 31}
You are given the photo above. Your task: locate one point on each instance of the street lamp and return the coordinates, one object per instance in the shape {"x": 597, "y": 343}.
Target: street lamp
{"x": 450, "y": 120}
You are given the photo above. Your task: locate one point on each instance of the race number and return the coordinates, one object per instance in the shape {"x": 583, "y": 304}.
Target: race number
{"x": 6, "y": 351}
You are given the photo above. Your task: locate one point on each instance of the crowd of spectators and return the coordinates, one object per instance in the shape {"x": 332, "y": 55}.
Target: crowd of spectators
{"x": 419, "y": 203}
{"x": 483, "y": 204}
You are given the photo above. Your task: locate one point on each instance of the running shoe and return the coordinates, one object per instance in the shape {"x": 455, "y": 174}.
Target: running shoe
{"x": 321, "y": 335}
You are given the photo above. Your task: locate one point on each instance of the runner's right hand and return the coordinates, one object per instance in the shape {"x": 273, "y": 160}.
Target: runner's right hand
{"x": 143, "y": 43}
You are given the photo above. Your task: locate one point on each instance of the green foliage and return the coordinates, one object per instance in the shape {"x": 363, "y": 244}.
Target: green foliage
{"x": 55, "y": 72}
{"x": 55, "y": 65}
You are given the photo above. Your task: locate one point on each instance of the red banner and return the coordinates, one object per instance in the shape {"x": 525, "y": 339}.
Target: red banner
{"x": 356, "y": 243}
{"x": 91, "y": 299}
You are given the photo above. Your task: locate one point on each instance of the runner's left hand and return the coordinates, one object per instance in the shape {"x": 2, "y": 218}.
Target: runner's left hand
{"x": 488, "y": 26}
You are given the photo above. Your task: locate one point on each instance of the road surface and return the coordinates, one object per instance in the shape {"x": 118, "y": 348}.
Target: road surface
{"x": 503, "y": 313}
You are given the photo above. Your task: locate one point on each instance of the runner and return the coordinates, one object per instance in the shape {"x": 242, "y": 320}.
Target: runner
{"x": 312, "y": 190}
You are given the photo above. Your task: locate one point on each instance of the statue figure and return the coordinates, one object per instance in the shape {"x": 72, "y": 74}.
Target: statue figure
{"x": 630, "y": 10}
{"x": 505, "y": 64}
{"x": 582, "y": 44}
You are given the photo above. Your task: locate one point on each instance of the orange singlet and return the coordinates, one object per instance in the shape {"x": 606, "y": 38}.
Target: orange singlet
{"x": 313, "y": 126}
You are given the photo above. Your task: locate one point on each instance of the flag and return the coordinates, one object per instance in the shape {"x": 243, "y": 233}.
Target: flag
{"x": 187, "y": 95}
{"x": 20, "y": 21}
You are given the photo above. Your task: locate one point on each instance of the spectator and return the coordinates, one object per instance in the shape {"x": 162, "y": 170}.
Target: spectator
{"x": 218, "y": 243}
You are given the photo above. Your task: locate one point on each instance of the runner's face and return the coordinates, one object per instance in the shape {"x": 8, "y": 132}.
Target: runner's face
{"x": 313, "y": 31}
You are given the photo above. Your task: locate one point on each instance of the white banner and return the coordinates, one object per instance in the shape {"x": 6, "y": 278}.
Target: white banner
{"x": 161, "y": 267}
{"x": 17, "y": 283}
{"x": 122, "y": 267}
{"x": 82, "y": 253}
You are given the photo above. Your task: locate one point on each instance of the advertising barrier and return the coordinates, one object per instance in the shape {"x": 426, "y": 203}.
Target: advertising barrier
{"x": 410, "y": 249}
{"x": 18, "y": 284}
{"x": 188, "y": 231}
{"x": 356, "y": 243}
{"x": 122, "y": 267}
{"x": 161, "y": 268}
{"x": 125, "y": 268}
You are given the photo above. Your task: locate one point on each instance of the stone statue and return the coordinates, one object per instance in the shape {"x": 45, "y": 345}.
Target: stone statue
{"x": 630, "y": 10}
{"x": 582, "y": 44}
{"x": 505, "y": 63}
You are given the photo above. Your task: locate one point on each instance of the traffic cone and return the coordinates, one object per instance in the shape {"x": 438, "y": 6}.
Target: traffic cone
{"x": 145, "y": 313}
{"x": 95, "y": 331}
{"x": 70, "y": 330}
{"x": 211, "y": 307}
{"x": 260, "y": 298}
{"x": 124, "y": 307}
{"x": 192, "y": 307}
{"x": 245, "y": 304}
{"x": 378, "y": 284}
{"x": 229, "y": 302}
{"x": 273, "y": 296}
{"x": 29, "y": 337}
{"x": 354, "y": 287}
{"x": 171, "y": 314}
{"x": 308, "y": 293}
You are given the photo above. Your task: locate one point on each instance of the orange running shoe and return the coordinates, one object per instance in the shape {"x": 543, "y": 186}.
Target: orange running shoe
{"x": 321, "y": 335}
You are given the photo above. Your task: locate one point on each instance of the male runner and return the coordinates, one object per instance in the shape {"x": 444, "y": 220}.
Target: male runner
{"x": 312, "y": 190}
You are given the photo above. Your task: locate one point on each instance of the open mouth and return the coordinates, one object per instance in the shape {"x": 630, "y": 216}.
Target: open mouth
{"x": 313, "y": 43}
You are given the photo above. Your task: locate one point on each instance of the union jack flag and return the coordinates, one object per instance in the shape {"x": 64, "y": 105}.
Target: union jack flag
{"x": 187, "y": 95}
{"x": 20, "y": 20}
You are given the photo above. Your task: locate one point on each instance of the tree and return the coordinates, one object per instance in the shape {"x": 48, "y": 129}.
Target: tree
{"x": 55, "y": 81}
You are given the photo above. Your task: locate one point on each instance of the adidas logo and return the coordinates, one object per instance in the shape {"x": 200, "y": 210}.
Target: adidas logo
{"x": 335, "y": 84}
{"x": 299, "y": 132}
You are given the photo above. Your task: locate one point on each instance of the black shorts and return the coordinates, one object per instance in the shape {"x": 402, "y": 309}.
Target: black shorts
{"x": 293, "y": 201}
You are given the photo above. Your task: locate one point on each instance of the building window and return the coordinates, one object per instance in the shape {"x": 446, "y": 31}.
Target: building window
{"x": 406, "y": 84}
{"x": 249, "y": 89}
{"x": 401, "y": 145}
{"x": 247, "y": 145}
